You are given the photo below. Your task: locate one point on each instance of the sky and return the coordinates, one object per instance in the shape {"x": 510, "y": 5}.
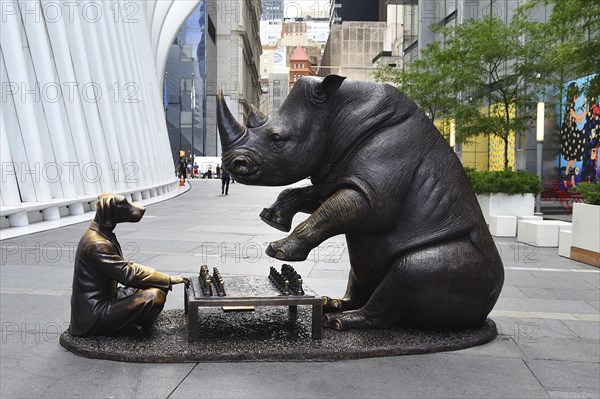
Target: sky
{"x": 296, "y": 8}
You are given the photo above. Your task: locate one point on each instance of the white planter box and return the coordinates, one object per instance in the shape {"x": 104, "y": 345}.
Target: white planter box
{"x": 541, "y": 233}
{"x": 586, "y": 226}
{"x": 564, "y": 243}
{"x": 503, "y": 226}
{"x": 585, "y": 239}
{"x": 507, "y": 205}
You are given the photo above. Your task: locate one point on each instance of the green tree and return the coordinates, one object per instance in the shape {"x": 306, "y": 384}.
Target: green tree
{"x": 426, "y": 81}
{"x": 496, "y": 66}
{"x": 572, "y": 35}
{"x": 571, "y": 41}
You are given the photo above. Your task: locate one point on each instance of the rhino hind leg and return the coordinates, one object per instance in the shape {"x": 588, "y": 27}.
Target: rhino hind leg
{"x": 351, "y": 319}
{"x": 445, "y": 287}
{"x": 356, "y": 297}
{"x": 331, "y": 305}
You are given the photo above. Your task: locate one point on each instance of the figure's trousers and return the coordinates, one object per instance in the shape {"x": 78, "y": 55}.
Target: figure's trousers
{"x": 132, "y": 306}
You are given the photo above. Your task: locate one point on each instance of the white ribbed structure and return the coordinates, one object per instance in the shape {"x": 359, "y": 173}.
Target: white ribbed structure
{"x": 81, "y": 103}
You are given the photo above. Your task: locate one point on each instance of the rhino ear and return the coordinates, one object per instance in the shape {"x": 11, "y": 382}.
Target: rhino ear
{"x": 330, "y": 84}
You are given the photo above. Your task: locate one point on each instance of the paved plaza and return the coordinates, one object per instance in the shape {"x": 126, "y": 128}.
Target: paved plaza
{"x": 548, "y": 317}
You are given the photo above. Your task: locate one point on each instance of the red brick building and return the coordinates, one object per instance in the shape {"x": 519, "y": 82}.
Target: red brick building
{"x": 300, "y": 66}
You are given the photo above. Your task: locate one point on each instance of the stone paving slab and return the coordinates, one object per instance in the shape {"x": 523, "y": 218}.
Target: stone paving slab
{"x": 563, "y": 376}
{"x": 561, "y": 349}
{"x": 34, "y": 365}
{"x": 424, "y": 376}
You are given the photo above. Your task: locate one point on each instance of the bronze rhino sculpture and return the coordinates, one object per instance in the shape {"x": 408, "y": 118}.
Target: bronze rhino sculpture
{"x": 421, "y": 254}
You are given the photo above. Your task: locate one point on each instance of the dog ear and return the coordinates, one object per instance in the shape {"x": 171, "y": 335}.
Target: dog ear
{"x": 120, "y": 199}
{"x": 104, "y": 210}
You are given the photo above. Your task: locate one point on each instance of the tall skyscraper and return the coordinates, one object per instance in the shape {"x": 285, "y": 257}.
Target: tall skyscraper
{"x": 272, "y": 9}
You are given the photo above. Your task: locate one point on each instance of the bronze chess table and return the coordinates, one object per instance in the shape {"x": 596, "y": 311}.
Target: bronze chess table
{"x": 248, "y": 291}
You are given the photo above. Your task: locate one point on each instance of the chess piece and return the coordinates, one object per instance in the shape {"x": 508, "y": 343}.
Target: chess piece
{"x": 299, "y": 289}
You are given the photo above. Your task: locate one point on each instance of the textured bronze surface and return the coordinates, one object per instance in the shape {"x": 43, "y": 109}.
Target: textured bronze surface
{"x": 99, "y": 306}
{"x": 382, "y": 174}
{"x": 247, "y": 291}
{"x": 268, "y": 334}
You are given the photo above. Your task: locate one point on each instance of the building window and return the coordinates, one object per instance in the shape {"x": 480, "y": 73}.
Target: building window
{"x": 185, "y": 85}
{"x": 186, "y": 53}
{"x": 186, "y": 119}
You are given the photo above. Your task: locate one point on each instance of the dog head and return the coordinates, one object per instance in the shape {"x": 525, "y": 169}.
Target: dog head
{"x": 112, "y": 209}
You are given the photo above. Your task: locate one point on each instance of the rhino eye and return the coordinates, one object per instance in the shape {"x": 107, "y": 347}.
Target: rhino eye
{"x": 277, "y": 142}
{"x": 277, "y": 139}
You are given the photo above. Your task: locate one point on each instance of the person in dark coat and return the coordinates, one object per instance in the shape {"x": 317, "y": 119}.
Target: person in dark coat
{"x": 182, "y": 169}
{"x": 225, "y": 177}
{"x": 98, "y": 305}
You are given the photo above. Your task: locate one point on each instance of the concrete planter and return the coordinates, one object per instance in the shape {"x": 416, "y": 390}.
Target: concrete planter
{"x": 585, "y": 239}
{"x": 507, "y": 205}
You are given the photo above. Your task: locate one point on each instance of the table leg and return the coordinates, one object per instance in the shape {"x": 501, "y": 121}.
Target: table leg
{"x": 185, "y": 300}
{"x": 192, "y": 323}
{"x": 317, "y": 322}
{"x": 293, "y": 309}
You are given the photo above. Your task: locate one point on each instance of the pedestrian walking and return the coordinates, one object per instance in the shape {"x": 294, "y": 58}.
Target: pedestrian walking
{"x": 225, "y": 178}
{"x": 182, "y": 169}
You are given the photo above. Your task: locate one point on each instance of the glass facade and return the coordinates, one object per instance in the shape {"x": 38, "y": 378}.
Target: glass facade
{"x": 272, "y": 9}
{"x": 410, "y": 31}
{"x": 185, "y": 85}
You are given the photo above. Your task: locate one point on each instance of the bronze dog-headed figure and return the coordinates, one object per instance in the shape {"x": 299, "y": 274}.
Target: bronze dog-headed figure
{"x": 99, "y": 306}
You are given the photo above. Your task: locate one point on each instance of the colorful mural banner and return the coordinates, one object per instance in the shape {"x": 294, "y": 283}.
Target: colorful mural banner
{"x": 580, "y": 131}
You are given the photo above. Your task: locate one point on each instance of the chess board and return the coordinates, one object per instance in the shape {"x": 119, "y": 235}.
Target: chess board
{"x": 237, "y": 287}
{"x": 244, "y": 291}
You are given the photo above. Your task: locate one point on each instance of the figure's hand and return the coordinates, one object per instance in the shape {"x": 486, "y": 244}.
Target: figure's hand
{"x": 179, "y": 280}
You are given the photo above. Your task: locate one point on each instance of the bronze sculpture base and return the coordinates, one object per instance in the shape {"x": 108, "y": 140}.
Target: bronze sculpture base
{"x": 268, "y": 334}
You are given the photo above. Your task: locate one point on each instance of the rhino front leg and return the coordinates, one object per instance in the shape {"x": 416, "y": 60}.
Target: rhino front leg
{"x": 343, "y": 212}
{"x": 288, "y": 203}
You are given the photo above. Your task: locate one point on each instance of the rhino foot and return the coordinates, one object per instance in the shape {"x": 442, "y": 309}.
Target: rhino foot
{"x": 351, "y": 319}
{"x": 331, "y": 305}
{"x": 288, "y": 249}
{"x": 274, "y": 219}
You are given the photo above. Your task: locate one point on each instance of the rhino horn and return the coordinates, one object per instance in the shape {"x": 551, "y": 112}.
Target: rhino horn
{"x": 254, "y": 118}
{"x": 229, "y": 129}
